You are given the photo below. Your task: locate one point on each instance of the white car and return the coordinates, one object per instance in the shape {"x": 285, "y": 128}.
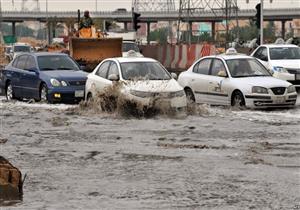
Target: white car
{"x": 130, "y": 49}
{"x": 237, "y": 80}
{"x": 142, "y": 80}
{"x": 283, "y": 61}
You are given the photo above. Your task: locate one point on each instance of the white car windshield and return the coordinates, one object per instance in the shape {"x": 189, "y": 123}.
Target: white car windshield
{"x": 144, "y": 71}
{"x": 246, "y": 68}
{"x": 56, "y": 62}
{"x": 284, "y": 53}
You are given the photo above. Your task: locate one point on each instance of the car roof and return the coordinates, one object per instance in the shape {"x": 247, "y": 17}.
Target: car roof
{"x": 230, "y": 56}
{"x": 278, "y": 45}
{"x": 134, "y": 59}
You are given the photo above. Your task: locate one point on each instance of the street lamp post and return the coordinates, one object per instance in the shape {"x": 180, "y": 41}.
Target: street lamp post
{"x": 261, "y": 22}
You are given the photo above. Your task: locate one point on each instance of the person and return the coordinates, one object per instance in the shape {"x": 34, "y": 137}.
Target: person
{"x": 85, "y": 25}
{"x": 86, "y": 21}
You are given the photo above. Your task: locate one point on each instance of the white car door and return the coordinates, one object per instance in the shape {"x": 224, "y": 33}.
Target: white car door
{"x": 199, "y": 80}
{"x": 217, "y": 93}
{"x": 99, "y": 80}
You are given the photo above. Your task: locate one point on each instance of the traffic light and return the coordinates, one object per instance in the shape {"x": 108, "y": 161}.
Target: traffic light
{"x": 136, "y": 20}
{"x": 257, "y": 16}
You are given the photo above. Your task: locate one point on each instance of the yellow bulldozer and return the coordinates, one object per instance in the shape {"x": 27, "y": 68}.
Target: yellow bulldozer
{"x": 91, "y": 47}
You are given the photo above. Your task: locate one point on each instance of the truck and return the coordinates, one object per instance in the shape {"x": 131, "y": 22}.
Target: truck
{"x": 89, "y": 52}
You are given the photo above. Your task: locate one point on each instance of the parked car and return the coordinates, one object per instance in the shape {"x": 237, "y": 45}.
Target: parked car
{"x": 282, "y": 60}
{"x": 19, "y": 48}
{"x": 7, "y": 50}
{"x": 141, "y": 79}
{"x": 130, "y": 49}
{"x": 52, "y": 77}
{"x": 236, "y": 80}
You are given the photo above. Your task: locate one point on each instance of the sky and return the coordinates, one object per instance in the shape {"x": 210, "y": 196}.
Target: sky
{"x": 105, "y": 5}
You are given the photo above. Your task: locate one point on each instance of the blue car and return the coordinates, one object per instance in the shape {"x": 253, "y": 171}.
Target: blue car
{"x": 48, "y": 77}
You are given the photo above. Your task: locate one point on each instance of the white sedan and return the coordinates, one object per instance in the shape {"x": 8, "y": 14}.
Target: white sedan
{"x": 141, "y": 79}
{"x": 283, "y": 60}
{"x": 237, "y": 80}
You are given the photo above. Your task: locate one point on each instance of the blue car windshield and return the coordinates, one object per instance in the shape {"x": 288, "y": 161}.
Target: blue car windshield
{"x": 56, "y": 62}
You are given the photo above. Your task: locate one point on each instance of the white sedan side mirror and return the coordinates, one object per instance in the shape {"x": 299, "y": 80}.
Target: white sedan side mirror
{"x": 174, "y": 76}
{"x": 113, "y": 77}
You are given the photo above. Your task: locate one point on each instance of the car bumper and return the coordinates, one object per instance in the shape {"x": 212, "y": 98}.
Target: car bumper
{"x": 66, "y": 94}
{"x": 292, "y": 78}
{"x": 271, "y": 101}
{"x": 175, "y": 103}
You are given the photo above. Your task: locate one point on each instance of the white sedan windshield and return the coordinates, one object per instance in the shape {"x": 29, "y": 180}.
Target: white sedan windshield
{"x": 246, "y": 68}
{"x": 144, "y": 71}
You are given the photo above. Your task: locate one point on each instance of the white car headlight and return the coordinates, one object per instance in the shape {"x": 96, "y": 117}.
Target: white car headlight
{"x": 291, "y": 89}
{"x": 279, "y": 69}
{"x": 64, "y": 83}
{"x": 260, "y": 90}
{"x": 55, "y": 82}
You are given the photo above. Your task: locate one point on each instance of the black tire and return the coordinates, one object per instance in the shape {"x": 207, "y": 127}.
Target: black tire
{"x": 237, "y": 100}
{"x": 190, "y": 96}
{"x": 43, "y": 93}
{"x": 9, "y": 92}
{"x": 89, "y": 97}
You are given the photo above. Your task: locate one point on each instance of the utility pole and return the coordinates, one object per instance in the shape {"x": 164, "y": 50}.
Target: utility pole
{"x": 227, "y": 25}
{"x": 48, "y": 24}
{"x": 1, "y": 38}
{"x": 96, "y": 5}
{"x": 261, "y": 22}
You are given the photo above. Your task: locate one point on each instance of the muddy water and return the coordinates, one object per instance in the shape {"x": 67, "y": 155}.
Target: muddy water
{"x": 222, "y": 159}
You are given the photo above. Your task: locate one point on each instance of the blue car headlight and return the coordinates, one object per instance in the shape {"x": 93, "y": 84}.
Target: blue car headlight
{"x": 260, "y": 90}
{"x": 279, "y": 69}
{"x": 57, "y": 83}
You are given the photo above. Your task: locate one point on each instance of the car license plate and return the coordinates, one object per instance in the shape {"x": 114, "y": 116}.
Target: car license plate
{"x": 297, "y": 77}
{"x": 279, "y": 99}
{"x": 79, "y": 93}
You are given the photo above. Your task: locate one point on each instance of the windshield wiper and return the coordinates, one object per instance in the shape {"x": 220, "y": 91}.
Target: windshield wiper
{"x": 64, "y": 69}
{"x": 46, "y": 69}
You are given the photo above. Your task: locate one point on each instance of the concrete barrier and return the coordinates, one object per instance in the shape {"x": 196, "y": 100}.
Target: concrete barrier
{"x": 178, "y": 57}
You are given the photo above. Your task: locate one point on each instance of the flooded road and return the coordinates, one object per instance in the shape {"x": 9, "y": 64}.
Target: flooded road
{"x": 220, "y": 159}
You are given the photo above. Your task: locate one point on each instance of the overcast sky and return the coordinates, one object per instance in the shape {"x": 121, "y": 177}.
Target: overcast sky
{"x": 64, "y": 5}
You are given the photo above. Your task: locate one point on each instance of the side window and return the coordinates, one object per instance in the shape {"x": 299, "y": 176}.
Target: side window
{"x": 113, "y": 69}
{"x": 30, "y": 64}
{"x": 264, "y": 53}
{"x": 258, "y": 52}
{"x": 22, "y": 62}
{"x": 15, "y": 62}
{"x": 217, "y": 67}
{"x": 202, "y": 67}
{"x": 102, "y": 70}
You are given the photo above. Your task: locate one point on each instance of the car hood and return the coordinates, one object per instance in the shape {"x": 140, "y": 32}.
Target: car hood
{"x": 65, "y": 74}
{"x": 153, "y": 86}
{"x": 267, "y": 82}
{"x": 293, "y": 64}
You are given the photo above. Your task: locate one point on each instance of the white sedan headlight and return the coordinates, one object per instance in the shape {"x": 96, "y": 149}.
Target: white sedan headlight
{"x": 260, "y": 90}
{"x": 279, "y": 69}
{"x": 55, "y": 82}
{"x": 291, "y": 89}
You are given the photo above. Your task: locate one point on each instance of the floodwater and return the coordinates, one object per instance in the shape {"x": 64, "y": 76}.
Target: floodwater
{"x": 216, "y": 159}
